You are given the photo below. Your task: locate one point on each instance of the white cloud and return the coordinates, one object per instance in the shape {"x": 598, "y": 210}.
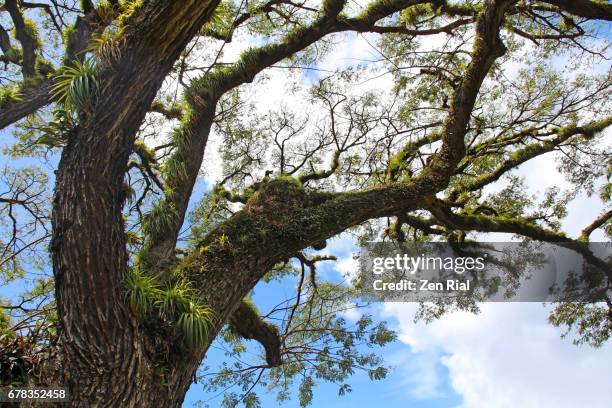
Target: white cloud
{"x": 347, "y": 267}
{"x": 351, "y": 313}
{"x": 351, "y": 49}
{"x": 507, "y": 356}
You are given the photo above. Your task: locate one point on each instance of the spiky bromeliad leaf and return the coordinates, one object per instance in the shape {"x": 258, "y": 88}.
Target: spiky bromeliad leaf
{"x": 174, "y": 300}
{"x": 142, "y": 290}
{"x": 176, "y": 304}
{"x": 9, "y": 94}
{"x": 76, "y": 86}
{"x": 159, "y": 218}
{"x": 194, "y": 324}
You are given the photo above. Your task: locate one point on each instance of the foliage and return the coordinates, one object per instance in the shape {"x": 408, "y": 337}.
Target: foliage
{"x": 142, "y": 290}
{"x": 76, "y": 86}
{"x": 320, "y": 345}
{"x": 174, "y": 302}
{"x": 8, "y": 95}
{"x": 587, "y": 323}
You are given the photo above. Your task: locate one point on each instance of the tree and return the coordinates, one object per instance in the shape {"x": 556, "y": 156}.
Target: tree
{"x": 135, "y": 309}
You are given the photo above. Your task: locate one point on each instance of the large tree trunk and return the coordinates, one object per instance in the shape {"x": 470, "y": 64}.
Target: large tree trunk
{"x": 104, "y": 356}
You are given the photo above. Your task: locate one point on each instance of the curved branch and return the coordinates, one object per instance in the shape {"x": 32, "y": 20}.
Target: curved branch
{"x": 483, "y": 223}
{"x": 25, "y": 37}
{"x": 247, "y": 323}
{"x": 585, "y": 8}
{"x": 598, "y": 223}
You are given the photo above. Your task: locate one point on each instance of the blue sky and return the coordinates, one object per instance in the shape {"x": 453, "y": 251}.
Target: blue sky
{"x": 394, "y": 390}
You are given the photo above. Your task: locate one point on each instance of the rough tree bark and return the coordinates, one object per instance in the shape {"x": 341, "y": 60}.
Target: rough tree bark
{"x": 102, "y": 347}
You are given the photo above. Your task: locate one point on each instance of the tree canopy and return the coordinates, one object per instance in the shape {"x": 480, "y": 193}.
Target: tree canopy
{"x": 148, "y": 183}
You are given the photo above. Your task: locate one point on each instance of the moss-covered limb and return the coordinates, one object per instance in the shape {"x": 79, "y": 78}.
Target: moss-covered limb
{"x": 254, "y": 60}
{"x": 277, "y": 222}
{"x": 530, "y": 151}
{"x": 231, "y": 196}
{"x": 486, "y": 49}
{"x": 598, "y": 10}
{"x": 380, "y": 9}
{"x": 180, "y": 171}
{"x": 599, "y": 222}
{"x": 483, "y": 223}
{"x": 463, "y": 8}
{"x": 408, "y": 151}
{"x": 448, "y": 28}
{"x": 227, "y": 34}
{"x": 27, "y": 35}
{"x": 329, "y": 21}
{"x": 170, "y": 112}
{"x": 247, "y": 323}
{"x": 32, "y": 98}
{"x": 192, "y": 134}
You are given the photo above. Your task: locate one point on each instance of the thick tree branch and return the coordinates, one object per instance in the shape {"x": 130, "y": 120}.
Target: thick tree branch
{"x": 32, "y": 98}
{"x": 247, "y": 323}
{"x": 597, "y": 10}
{"x": 25, "y": 36}
{"x": 277, "y": 222}
{"x": 487, "y": 48}
{"x": 598, "y": 223}
{"x": 448, "y": 29}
